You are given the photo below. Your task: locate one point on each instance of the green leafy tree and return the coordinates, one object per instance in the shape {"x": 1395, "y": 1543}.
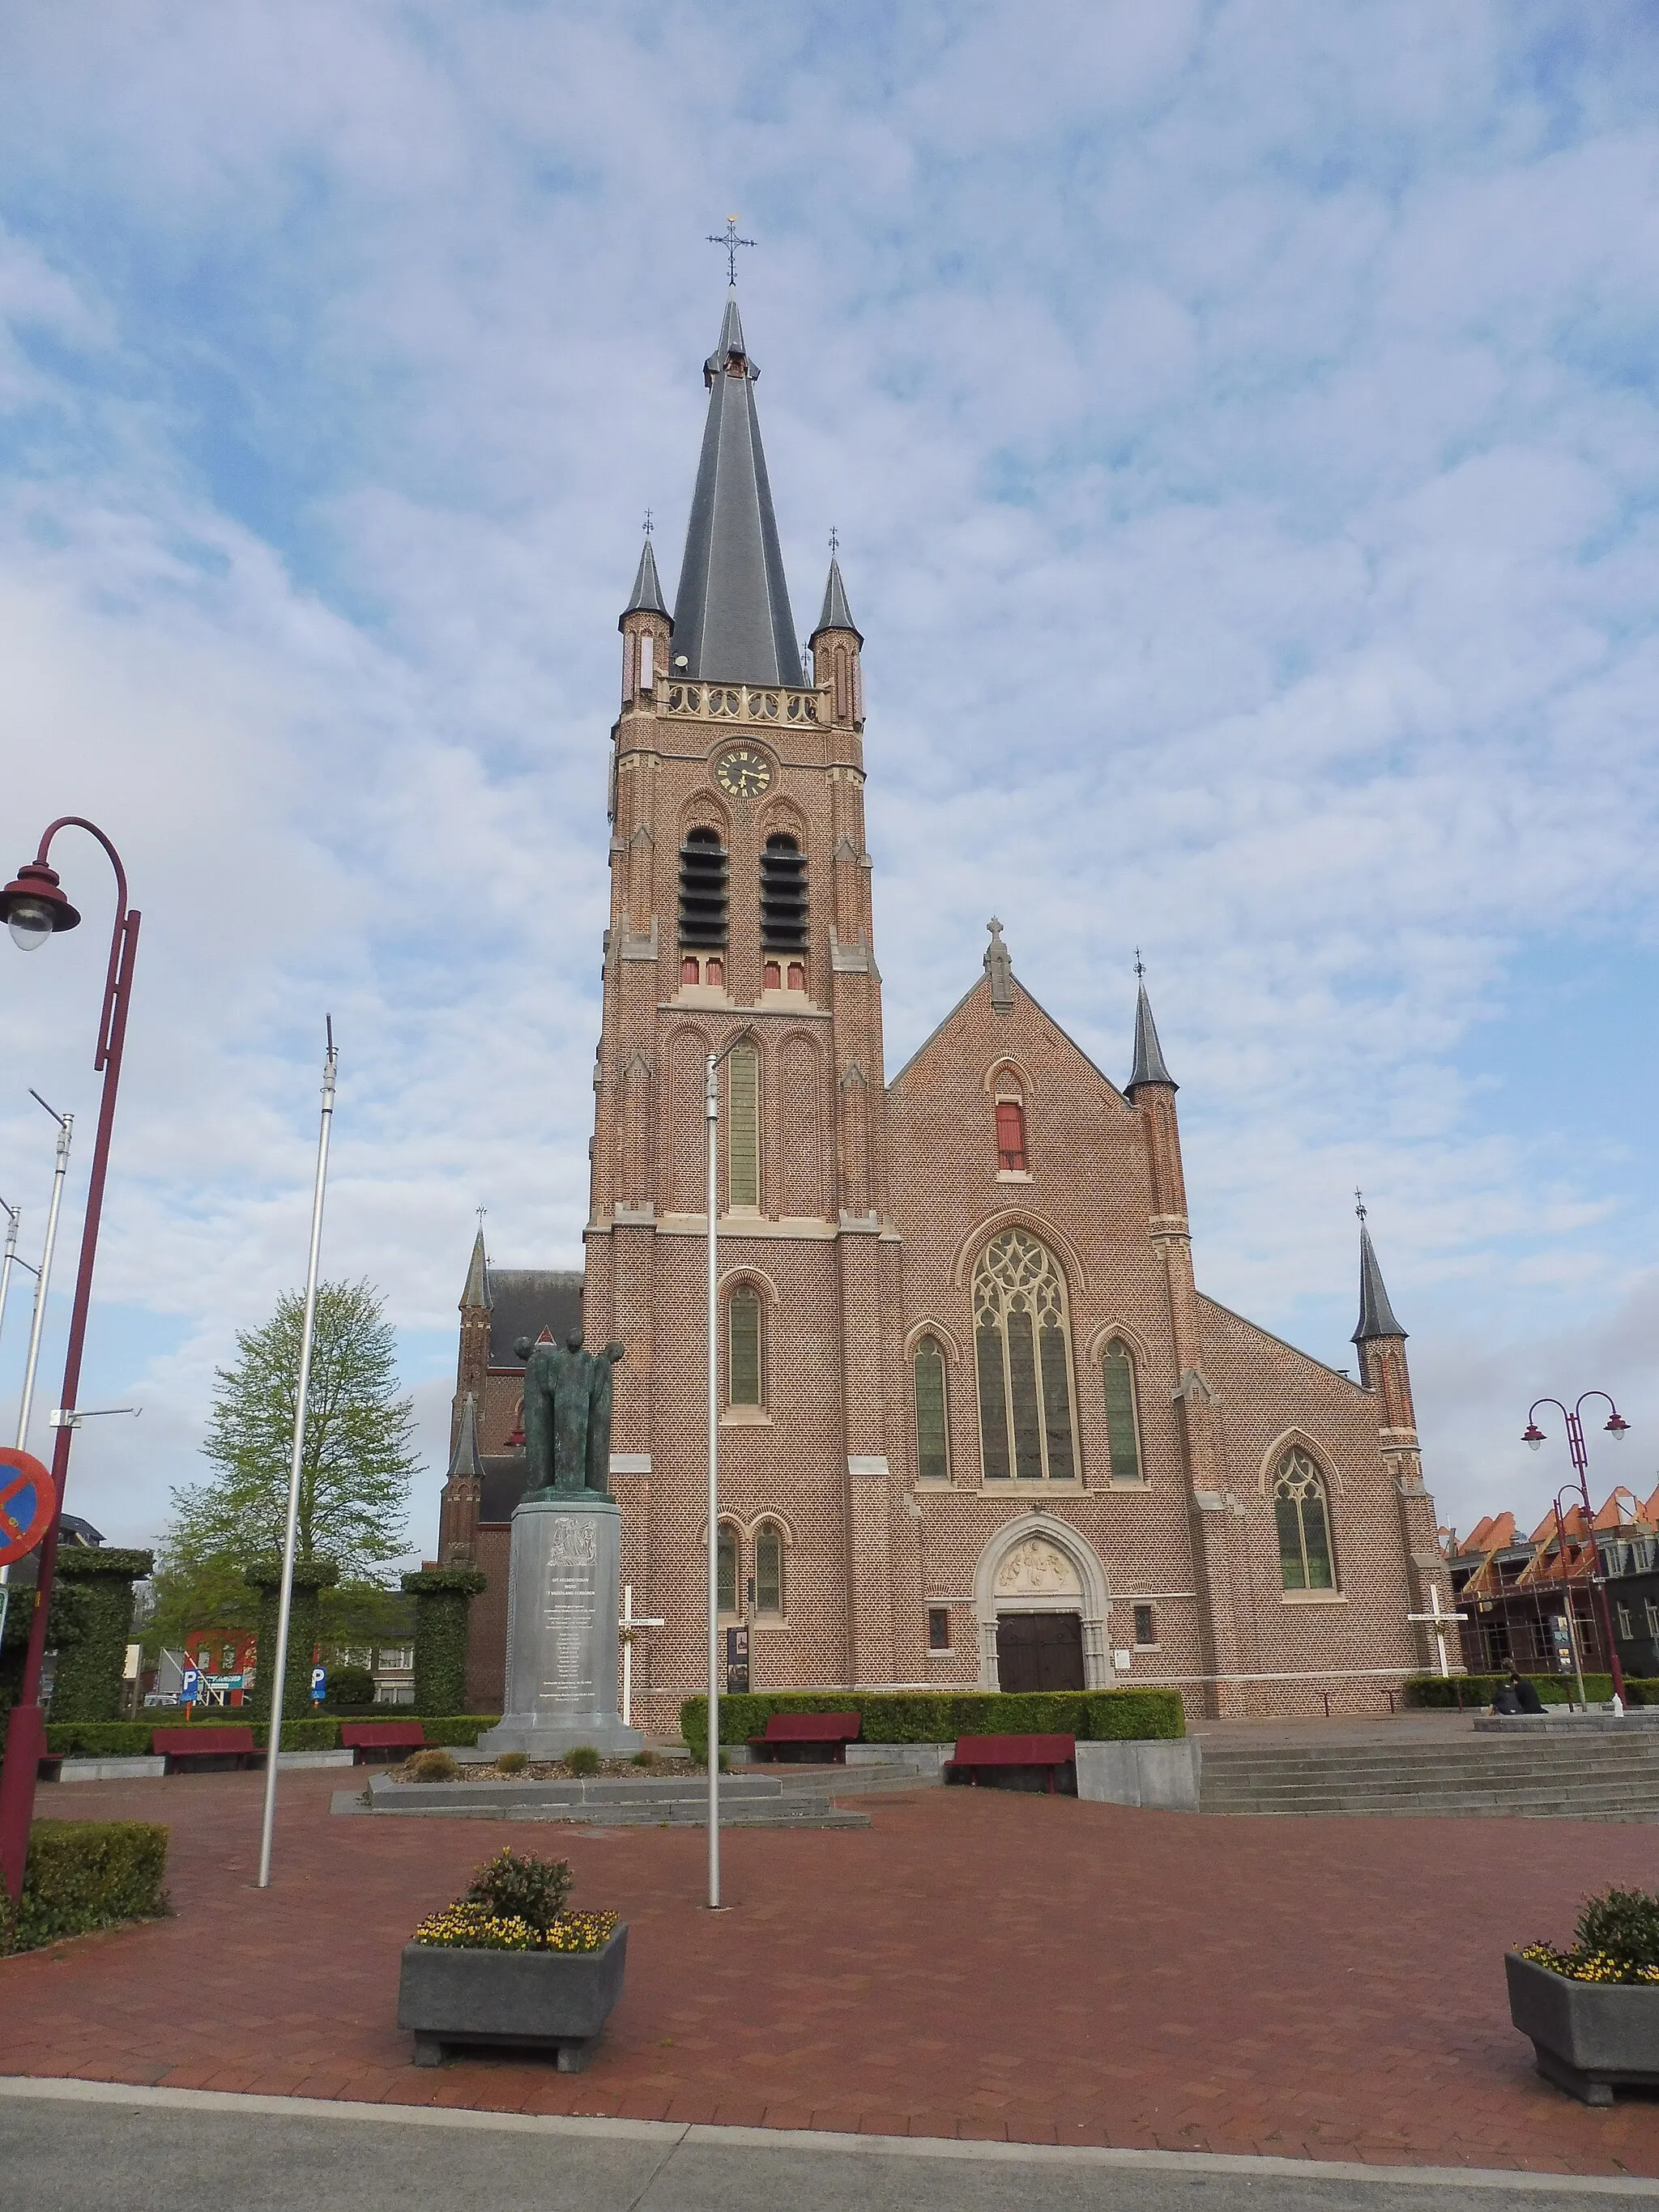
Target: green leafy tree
{"x": 355, "y": 1466}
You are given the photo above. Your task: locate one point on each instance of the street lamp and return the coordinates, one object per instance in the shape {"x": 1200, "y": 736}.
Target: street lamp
{"x": 34, "y": 909}
{"x": 1618, "y": 1428}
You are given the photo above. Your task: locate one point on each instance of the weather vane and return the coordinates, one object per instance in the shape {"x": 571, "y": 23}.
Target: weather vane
{"x": 1359, "y": 1202}
{"x": 731, "y": 241}
{"x": 1140, "y": 965}
{"x": 648, "y": 522}
{"x": 834, "y": 541}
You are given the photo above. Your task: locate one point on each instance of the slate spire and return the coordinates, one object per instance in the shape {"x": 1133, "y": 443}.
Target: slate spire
{"x": 463, "y": 1460}
{"x": 836, "y": 614}
{"x": 646, "y": 597}
{"x": 1375, "y": 1314}
{"x": 1148, "y": 1053}
{"x": 731, "y": 618}
{"x": 477, "y": 1292}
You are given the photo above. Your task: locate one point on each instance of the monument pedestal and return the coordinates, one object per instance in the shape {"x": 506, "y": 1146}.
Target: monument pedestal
{"x": 564, "y": 1584}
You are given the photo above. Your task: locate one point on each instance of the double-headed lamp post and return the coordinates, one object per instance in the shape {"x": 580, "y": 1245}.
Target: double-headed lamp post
{"x": 1618, "y": 1428}
{"x": 34, "y": 909}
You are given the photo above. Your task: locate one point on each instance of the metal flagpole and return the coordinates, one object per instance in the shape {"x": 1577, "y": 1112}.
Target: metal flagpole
{"x": 38, "y": 1318}
{"x": 12, "y": 1218}
{"x": 712, "y": 1112}
{"x": 37, "y": 1322}
{"x": 285, "y": 1603}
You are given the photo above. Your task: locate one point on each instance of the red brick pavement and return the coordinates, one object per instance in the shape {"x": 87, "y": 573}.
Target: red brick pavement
{"x": 976, "y": 1964}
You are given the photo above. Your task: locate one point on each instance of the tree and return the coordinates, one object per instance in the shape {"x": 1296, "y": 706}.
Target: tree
{"x": 355, "y": 1466}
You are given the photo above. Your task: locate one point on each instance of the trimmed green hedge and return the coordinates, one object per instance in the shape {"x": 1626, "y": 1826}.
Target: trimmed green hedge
{"x": 89, "y": 1624}
{"x": 1478, "y": 1690}
{"x": 305, "y": 1621}
{"x": 132, "y": 1739}
{"x": 82, "y": 1875}
{"x": 941, "y": 1715}
{"x": 441, "y": 1596}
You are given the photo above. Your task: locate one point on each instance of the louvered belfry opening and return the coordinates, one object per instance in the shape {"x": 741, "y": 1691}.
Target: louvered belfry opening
{"x": 703, "y": 889}
{"x": 783, "y": 896}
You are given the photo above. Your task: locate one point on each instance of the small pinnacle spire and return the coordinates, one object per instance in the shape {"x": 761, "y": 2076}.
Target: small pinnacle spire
{"x": 836, "y": 614}
{"x": 465, "y": 1459}
{"x": 1375, "y": 1314}
{"x": 647, "y": 597}
{"x": 477, "y": 1292}
{"x": 1149, "y": 1065}
{"x": 999, "y": 968}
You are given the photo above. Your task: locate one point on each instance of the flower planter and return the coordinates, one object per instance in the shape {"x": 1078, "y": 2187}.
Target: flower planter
{"x": 1591, "y": 2037}
{"x": 512, "y": 2000}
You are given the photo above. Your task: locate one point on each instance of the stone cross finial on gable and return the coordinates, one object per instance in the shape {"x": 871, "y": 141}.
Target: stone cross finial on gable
{"x": 1000, "y": 967}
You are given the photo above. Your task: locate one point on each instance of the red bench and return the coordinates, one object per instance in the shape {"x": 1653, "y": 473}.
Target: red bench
{"x": 977, "y": 1755}
{"x": 396, "y": 1738}
{"x": 803, "y": 1736}
{"x": 191, "y": 1745}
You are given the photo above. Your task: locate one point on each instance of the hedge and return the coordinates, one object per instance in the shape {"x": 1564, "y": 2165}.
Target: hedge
{"x": 81, "y": 1875}
{"x": 132, "y": 1739}
{"x": 89, "y": 1624}
{"x": 441, "y": 1596}
{"x": 941, "y": 1715}
{"x": 1478, "y": 1690}
{"x": 305, "y": 1620}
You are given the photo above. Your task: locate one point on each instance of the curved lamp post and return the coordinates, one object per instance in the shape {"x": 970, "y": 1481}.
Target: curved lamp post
{"x": 34, "y": 907}
{"x": 1618, "y": 1428}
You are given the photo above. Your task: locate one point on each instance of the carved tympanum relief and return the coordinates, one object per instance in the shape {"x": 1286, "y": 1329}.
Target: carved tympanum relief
{"x": 1037, "y": 1569}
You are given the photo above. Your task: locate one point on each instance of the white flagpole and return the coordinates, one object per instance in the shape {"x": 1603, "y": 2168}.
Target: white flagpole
{"x": 285, "y": 1603}
{"x": 712, "y": 1109}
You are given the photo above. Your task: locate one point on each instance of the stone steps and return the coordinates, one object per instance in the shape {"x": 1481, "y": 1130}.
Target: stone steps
{"x": 1543, "y": 1778}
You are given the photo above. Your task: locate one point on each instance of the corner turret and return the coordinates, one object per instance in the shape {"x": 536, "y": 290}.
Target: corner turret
{"x": 834, "y": 646}
{"x": 645, "y": 625}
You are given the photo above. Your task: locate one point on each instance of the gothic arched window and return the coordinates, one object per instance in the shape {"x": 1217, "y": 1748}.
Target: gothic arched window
{"x": 1023, "y": 1361}
{"x": 1303, "y": 1514}
{"x": 745, "y": 1347}
{"x": 933, "y": 1429}
{"x": 742, "y": 1127}
{"x": 703, "y": 888}
{"x": 726, "y": 1580}
{"x": 783, "y": 896}
{"x": 1117, "y": 1369}
{"x": 768, "y": 1569}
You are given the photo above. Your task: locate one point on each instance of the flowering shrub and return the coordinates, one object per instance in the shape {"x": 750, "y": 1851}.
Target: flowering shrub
{"x": 1618, "y": 1941}
{"x": 517, "y": 1904}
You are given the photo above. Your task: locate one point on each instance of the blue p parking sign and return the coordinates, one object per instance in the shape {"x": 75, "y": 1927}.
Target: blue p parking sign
{"x": 190, "y": 1688}
{"x": 319, "y": 1685}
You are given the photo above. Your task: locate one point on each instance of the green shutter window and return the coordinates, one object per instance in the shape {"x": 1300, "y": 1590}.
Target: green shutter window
{"x": 768, "y": 1571}
{"x": 1122, "y": 1425}
{"x": 743, "y": 1129}
{"x": 1023, "y": 1361}
{"x": 933, "y": 1441}
{"x": 743, "y": 1311}
{"x": 728, "y": 1569}
{"x": 1303, "y": 1518}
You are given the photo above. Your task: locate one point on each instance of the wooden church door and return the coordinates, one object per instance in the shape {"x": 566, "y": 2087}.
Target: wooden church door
{"x": 1040, "y": 1651}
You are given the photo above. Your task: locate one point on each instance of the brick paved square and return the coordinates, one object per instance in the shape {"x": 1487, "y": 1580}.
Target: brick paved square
{"x": 975, "y": 1963}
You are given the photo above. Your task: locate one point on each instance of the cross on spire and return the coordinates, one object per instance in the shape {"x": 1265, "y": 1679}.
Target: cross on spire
{"x": 648, "y": 522}
{"x": 834, "y": 541}
{"x": 728, "y": 238}
{"x": 1359, "y": 1202}
{"x": 1140, "y": 965}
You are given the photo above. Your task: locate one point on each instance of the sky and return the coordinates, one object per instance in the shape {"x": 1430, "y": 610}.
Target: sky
{"x": 1239, "y": 424}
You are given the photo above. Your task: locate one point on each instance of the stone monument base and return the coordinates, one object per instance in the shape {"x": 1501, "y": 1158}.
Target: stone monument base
{"x": 563, "y": 1586}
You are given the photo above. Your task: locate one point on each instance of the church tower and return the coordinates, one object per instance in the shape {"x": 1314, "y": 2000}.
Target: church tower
{"x": 741, "y": 917}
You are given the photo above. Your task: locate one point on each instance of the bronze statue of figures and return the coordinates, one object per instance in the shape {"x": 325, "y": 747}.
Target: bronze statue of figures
{"x": 566, "y": 1417}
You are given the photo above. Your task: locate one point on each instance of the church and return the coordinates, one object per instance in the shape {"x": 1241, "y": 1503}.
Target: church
{"x": 979, "y": 1425}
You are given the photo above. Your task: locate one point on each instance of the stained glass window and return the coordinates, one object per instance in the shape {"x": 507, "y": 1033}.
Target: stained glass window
{"x": 743, "y": 1133}
{"x": 769, "y": 1569}
{"x": 743, "y": 1328}
{"x": 1022, "y": 1359}
{"x": 1117, "y": 1369}
{"x": 728, "y": 1569}
{"x": 1305, "y": 1528}
{"x": 932, "y": 1440}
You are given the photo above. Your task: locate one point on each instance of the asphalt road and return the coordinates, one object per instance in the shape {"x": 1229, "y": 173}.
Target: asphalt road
{"x": 85, "y": 2146}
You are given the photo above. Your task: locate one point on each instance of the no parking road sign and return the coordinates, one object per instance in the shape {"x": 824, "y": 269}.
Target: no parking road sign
{"x": 27, "y": 1502}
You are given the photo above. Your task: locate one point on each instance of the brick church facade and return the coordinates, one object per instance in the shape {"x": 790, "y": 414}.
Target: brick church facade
{"x": 980, "y": 1426}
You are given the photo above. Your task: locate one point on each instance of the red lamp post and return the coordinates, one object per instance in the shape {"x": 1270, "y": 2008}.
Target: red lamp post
{"x": 1617, "y": 1427}
{"x": 34, "y": 909}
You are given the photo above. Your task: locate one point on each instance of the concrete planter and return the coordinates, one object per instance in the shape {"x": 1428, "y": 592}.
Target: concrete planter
{"x": 1591, "y": 2037}
{"x": 512, "y": 1999}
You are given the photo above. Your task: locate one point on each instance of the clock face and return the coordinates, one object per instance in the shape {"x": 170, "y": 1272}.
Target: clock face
{"x": 742, "y": 772}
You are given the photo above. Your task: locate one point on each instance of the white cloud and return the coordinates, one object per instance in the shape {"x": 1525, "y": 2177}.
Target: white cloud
{"x": 1240, "y": 425}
